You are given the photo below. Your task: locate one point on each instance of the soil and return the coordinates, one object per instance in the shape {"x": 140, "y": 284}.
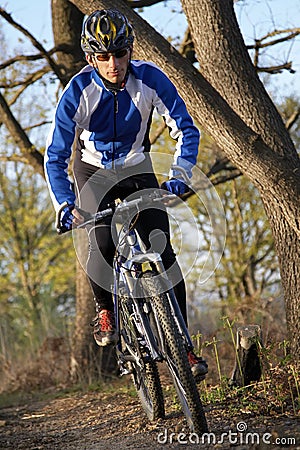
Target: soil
{"x": 113, "y": 419}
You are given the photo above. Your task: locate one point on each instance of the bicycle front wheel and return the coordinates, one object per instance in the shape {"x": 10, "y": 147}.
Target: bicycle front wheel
{"x": 176, "y": 356}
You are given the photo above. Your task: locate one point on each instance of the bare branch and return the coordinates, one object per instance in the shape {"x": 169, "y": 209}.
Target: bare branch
{"x": 276, "y": 69}
{"x": 220, "y": 164}
{"x": 35, "y": 43}
{"x": 37, "y": 125}
{"x": 14, "y": 158}
{"x": 259, "y": 44}
{"x": 142, "y": 3}
{"x": 292, "y": 119}
{"x": 21, "y": 58}
{"x": 29, "y": 152}
{"x": 224, "y": 178}
{"x": 32, "y": 78}
{"x": 294, "y": 32}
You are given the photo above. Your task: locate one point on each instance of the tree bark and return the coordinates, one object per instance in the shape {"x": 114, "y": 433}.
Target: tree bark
{"x": 226, "y": 65}
{"x": 82, "y": 365}
{"x": 66, "y": 26}
{"x": 247, "y": 364}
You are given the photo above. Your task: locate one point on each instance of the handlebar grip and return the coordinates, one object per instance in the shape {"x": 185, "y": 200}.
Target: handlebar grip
{"x": 102, "y": 214}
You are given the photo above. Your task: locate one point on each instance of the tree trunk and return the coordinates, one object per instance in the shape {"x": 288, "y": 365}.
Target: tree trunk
{"x": 288, "y": 250}
{"x": 226, "y": 64}
{"x": 89, "y": 362}
{"x": 238, "y": 114}
{"x": 66, "y": 24}
{"x": 82, "y": 342}
{"x": 247, "y": 364}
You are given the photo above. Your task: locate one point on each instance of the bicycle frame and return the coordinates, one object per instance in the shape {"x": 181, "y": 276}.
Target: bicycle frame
{"x": 149, "y": 321}
{"x": 132, "y": 259}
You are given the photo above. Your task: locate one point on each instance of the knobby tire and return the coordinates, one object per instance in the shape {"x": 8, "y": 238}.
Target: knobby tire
{"x": 176, "y": 356}
{"x": 150, "y": 392}
{"x": 146, "y": 379}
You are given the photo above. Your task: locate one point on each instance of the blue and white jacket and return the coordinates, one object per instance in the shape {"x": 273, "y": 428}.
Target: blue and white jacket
{"x": 112, "y": 127}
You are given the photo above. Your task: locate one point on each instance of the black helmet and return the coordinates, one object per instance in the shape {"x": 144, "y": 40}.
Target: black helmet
{"x": 106, "y": 31}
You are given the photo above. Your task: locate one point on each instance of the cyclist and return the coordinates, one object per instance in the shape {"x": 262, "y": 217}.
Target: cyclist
{"x": 104, "y": 114}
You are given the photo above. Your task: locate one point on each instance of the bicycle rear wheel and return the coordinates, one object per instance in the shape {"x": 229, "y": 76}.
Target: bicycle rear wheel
{"x": 176, "y": 355}
{"x": 148, "y": 387}
{"x": 145, "y": 376}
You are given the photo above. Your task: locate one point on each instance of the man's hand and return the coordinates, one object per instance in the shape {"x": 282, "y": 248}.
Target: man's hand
{"x": 78, "y": 218}
{"x": 67, "y": 217}
{"x": 175, "y": 186}
{"x": 71, "y": 217}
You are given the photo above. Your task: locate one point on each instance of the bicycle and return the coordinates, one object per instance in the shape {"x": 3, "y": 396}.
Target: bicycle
{"x": 149, "y": 323}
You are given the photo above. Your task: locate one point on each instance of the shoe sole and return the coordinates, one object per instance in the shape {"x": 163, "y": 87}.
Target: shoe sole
{"x": 199, "y": 376}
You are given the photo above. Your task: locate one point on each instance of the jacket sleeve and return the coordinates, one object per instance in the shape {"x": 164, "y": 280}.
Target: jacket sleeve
{"x": 58, "y": 151}
{"x": 171, "y": 106}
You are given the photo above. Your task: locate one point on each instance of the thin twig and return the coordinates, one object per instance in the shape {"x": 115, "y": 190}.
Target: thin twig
{"x": 34, "y": 42}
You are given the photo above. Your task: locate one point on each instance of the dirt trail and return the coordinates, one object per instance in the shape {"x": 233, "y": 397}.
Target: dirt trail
{"x": 105, "y": 421}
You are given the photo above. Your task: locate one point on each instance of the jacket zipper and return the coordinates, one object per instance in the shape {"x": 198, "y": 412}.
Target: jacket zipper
{"x": 115, "y": 128}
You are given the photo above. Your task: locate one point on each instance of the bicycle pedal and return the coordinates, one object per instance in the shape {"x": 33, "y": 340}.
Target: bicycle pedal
{"x": 125, "y": 371}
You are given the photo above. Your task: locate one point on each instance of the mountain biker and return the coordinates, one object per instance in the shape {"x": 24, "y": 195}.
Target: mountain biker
{"x": 103, "y": 116}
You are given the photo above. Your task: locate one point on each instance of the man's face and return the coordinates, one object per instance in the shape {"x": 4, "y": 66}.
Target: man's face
{"x": 111, "y": 66}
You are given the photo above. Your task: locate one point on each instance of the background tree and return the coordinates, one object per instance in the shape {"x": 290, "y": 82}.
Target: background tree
{"x": 268, "y": 157}
{"x": 65, "y": 21}
{"x": 37, "y": 295}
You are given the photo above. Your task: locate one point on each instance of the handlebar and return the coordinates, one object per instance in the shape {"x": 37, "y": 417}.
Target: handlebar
{"x": 118, "y": 208}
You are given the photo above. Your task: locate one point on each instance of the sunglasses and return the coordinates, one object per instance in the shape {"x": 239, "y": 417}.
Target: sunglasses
{"x": 105, "y": 56}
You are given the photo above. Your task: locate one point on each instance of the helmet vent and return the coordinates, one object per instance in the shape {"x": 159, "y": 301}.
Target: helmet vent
{"x": 106, "y": 41}
{"x": 104, "y": 25}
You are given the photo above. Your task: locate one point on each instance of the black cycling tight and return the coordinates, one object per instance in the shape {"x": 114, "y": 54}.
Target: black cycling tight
{"x": 95, "y": 189}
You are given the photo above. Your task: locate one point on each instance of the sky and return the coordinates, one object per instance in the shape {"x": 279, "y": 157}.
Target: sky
{"x": 256, "y": 18}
